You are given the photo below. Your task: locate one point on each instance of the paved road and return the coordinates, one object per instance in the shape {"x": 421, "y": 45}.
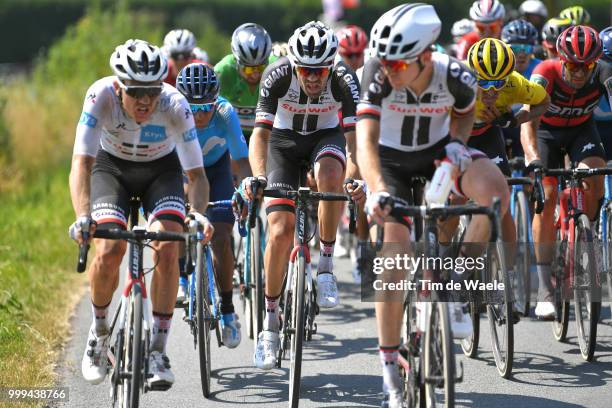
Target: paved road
{"x": 341, "y": 367}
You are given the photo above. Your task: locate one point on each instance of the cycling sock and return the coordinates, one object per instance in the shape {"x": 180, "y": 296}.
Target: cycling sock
{"x": 545, "y": 286}
{"x": 388, "y": 359}
{"x": 325, "y": 257}
{"x": 271, "y": 319}
{"x": 100, "y": 324}
{"x": 161, "y": 329}
{"x": 227, "y": 305}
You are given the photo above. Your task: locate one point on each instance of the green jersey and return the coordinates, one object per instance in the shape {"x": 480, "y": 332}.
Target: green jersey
{"x": 236, "y": 90}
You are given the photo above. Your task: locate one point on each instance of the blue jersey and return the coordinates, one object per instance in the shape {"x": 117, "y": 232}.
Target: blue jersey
{"x": 223, "y": 133}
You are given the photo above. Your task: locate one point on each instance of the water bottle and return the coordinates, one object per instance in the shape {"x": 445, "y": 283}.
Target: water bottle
{"x": 441, "y": 183}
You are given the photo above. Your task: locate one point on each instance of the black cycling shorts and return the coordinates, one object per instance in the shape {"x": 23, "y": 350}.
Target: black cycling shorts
{"x": 219, "y": 176}
{"x": 158, "y": 184}
{"x": 290, "y": 154}
{"x": 579, "y": 142}
{"x": 492, "y": 143}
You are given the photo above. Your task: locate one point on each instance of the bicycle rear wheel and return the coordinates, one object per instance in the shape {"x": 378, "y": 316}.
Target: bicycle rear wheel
{"x": 500, "y": 313}
{"x": 439, "y": 367}
{"x": 522, "y": 282}
{"x": 297, "y": 337}
{"x": 408, "y": 352}
{"x": 587, "y": 293}
{"x": 203, "y": 317}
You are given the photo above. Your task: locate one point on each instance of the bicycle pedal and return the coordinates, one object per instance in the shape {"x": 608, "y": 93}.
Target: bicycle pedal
{"x": 160, "y": 386}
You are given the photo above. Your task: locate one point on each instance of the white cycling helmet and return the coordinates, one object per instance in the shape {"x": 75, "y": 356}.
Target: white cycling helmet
{"x": 462, "y": 27}
{"x": 313, "y": 45}
{"x": 533, "y": 7}
{"x": 179, "y": 40}
{"x": 200, "y": 54}
{"x": 485, "y": 11}
{"x": 137, "y": 60}
{"x": 405, "y": 31}
{"x": 251, "y": 44}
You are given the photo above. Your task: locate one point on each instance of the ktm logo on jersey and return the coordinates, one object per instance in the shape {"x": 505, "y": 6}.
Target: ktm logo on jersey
{"x": 311, "y": 109}
{"x": 421, "y": 109}
{"x": 569, "y": 111}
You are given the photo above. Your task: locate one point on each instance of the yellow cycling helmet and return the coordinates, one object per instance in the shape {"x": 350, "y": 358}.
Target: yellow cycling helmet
{"x": 577, "y": 14}
{"x": 491, "y": 59}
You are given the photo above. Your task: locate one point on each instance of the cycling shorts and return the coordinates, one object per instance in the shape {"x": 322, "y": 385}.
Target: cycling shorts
{"x": 221, "y": 184}
{"x": 579, "y": 142}
{"x": 291, "y": 154}
{"x": 158, "y": 184}
{"x": 492, "y": 143}
{"x": 605, "y": 133}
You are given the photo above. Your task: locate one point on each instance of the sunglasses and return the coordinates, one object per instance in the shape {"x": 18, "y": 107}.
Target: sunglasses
{"x": 486, "y": 84}
{"x": 204, "y": 107}
{"x": 353, "y": 55}
{"x": 396, "y": 65}
{"x": 139, "y": 91}
{"x": 180, "y": 55}
{"x": 255, "y": 69}
{"x": 579, "y": 67}
{"x": 488, "y": 27}
{"x": 307, "y": 71}
{"x": 521, "y": 48}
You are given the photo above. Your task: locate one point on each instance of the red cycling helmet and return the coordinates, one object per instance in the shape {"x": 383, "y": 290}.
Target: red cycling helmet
{"x": 579, "y": 45}
{"x": 353, "y": 40}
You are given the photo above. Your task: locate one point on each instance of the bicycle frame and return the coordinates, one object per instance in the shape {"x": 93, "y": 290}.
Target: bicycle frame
{"x": 212, "y": 283}
{"x": 603, "y": 222}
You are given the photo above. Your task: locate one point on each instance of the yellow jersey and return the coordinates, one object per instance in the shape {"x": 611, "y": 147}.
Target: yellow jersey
{"x": 518, "y": 89}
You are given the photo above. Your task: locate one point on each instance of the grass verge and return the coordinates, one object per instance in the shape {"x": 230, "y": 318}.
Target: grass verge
{"x": 38, "y": 285}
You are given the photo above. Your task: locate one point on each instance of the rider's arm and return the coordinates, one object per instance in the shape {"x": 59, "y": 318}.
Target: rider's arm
{"x": 535, "y": 100}
{"x": 345, "y": 88}
{"x": 199, "y": 189}
{"x": 462, "y": 86}
{"x": 374, "y": 87}
{"x": 235, "y": 139}
{"x": 529, "y": 139}
{"x": 604, "y": 72}
{"x": 80, "y": 184}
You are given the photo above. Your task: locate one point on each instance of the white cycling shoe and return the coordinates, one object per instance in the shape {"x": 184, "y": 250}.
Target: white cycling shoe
{"x": 461, "y": 322}
{"x": 94, "y": 365}
{"x": 393, "y": 399}
{"x": 327, "y": 291}
{"x": 265, "y": 352}
{"x": 230, "y": 330}
{"x": 545, "y": 310}
{"x": 161, "y": 377}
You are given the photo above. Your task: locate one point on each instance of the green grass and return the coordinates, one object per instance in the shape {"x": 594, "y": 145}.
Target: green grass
{"x": 38, "y": 285}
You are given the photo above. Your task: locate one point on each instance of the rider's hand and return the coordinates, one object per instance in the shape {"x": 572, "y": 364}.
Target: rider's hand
{"x": 458, "y": 154}
{"x": 357, "y": 189}
{"x": 239, "y": 207}
{"x": 249, "y": 184}
{"x": 83, "y": 225}
{"x": 203, "y": 222}
{"x": 534, "y": 164}
{"x": 377, "y": 206}
{"x": 507, "y": 120}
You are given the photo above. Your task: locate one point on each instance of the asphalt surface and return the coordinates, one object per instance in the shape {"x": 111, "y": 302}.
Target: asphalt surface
{"x": 341, "y": 366}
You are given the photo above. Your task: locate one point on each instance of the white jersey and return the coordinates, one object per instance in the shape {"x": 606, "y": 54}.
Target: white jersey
{"x": 105, "y": 124}
{"x": 412, "y": 123}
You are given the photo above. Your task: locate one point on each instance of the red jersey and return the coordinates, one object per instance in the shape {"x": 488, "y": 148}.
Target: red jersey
{"x": 571, "y": 107}
{"x": 171, "y": 78}
{"x": 464, "y": 44}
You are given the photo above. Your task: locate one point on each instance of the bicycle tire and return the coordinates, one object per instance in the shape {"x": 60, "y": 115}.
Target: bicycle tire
{"x": 297, "y": 339}
{"x": 501, "y": 315}
{"x": 135, "y": 347}
{"x": 411, "y": 383}
{"x": 257, "y": 300}
{"x": 203, "y": 319}
{"x": 469, "y": 345}
{"x": 523, "y": 275}
{"x": 286, "y": 302}
{"x": 561, "y": 322}
{"x": 586, "y": 308}
{"x": 607, "y": 243}
{"x": 439, "y": 336}
{"x": 118, "y": 368}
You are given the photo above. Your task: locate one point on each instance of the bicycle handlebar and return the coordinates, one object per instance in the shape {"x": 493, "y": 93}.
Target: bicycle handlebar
{"x": 578, "y": 173}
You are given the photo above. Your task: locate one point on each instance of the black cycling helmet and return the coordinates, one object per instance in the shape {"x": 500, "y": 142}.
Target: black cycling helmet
{"x": 198, "y": 83}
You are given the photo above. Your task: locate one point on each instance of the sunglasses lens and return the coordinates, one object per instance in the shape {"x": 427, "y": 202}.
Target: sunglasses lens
{"x": 522, "y": 48}
{"x": 206, "y": 107}
{"x": 305, "y": 71}
{"x": 249, "y": 70}
{"x": 141, "y": 92}
{"x": 496, "y": 84}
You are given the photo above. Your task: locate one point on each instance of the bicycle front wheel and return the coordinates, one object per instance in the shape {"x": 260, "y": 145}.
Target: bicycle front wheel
{"x": 560, "y": 263}
{"x": 203, "y": 317}
{"x": 257, "y": 299}
{"x": 132, "y": 358}
{"x": 297, "y": 338}
{"x": 439, "y": 367}
{"x": 522, "y": 283}
{"x": 587, "y": 293}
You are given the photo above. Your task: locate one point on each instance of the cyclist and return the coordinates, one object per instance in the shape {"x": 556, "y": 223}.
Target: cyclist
{"x": 297, "y": 121}
{"x": 602, "y": 113}
{"x": 179, "y": 45}
{"x": 575, "y": 82}
{"x": 134, "y": 135}
{"x": 550, "y": 33}
{"x": 240, "y": 71}
{"x": 578, "y": 15}
{"x": 352, "y": 44}
{"x": 488, "y": 17}
{"x": 220, "y": 137}
{"x": 458, "y": 30}
{"x": 280, "y": 49}
{"x": 200, "y": 54}
{"x": 522, "y": 37}
{"x": 415, "y": 104}
{"x": 535, "y": 12}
